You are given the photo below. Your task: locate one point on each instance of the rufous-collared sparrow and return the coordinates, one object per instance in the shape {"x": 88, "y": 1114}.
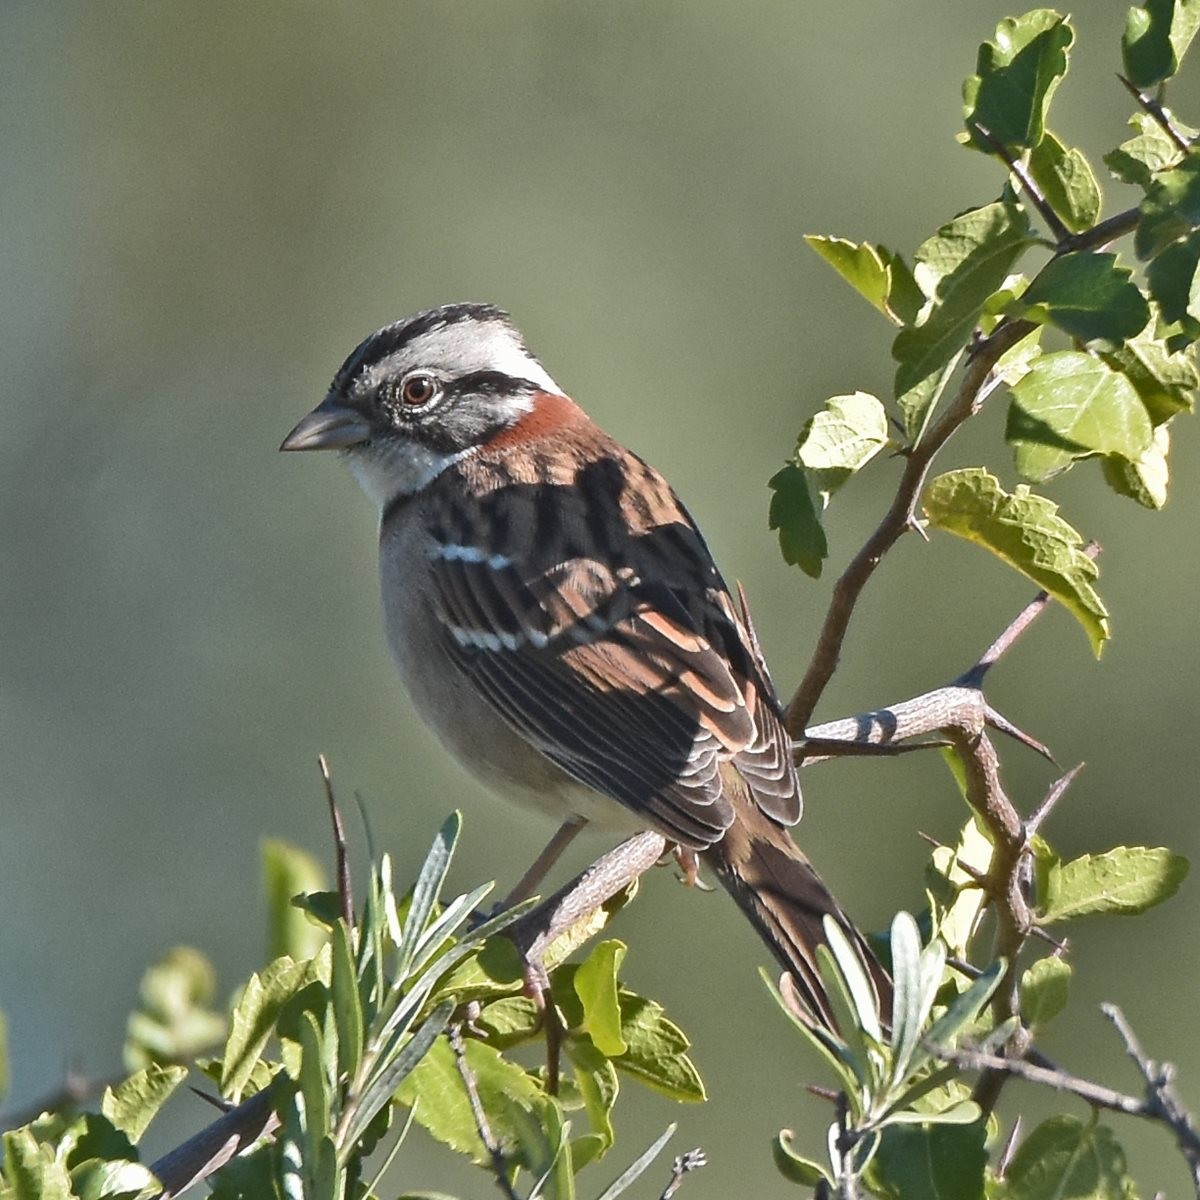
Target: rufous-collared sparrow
{"x": 558, "y": 620}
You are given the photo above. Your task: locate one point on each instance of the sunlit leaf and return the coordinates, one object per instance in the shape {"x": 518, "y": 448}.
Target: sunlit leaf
{"x": 1149, "y": 151}
{"x": 596, "y": 987}
{"x": 841, "y": 439}
{"x": 793, "y": 1166}
{"x": 1125, "y": 880}
{"x": 1067, "y": 182}
{"x": 1044, "y": 989}
{"x": 957, "y": 269}
{"x": 932, "y": 1162}
{"x": 289, "y": 871}
{"x": 132, "y": 1104}
{"x": 1165, "y": 382}
{"x": 1025, "y": 531}
{"x": 1067, "y": 1157}
{"x": 657, "y": 1049}
{"x": 1146, "y": 479}
{"x": 174, "y": 1022}
{"x": 1171, "y": 209}
{"x": 32, "y": 1171}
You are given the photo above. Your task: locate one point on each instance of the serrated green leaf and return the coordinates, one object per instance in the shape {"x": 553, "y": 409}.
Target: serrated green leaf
{"x": 174, "y": 1022}
{"x": 31, "y": 1170}
{"x": 254, "y": 1017}
{"x": 509, "y": 1021}
{"x": 934, "y": 1162}
{"x": 1149, "y": 151}
{"x": 841, "y": 439}
{"x": 1157, "y": 35}
{"x": 1089, "y": 296}
{"x": 657, "y": 1049}
{"x": 1067, "y": 1157}
{"x": 1016, "y": 77}
{"x": 1067, "y": 182}
{"x": 1125, "y": 880}
{"x": 1171, "y": 209}
{"x": 957, "y": 269}
{"x": 596, "y": 987}
{"x": 1145, "y": 480}
{"x": 132, "y": 1104}
{"x": 1165, "y": 382}
{"x": 959, "y": 913}
{"x": 793, "y": 514}
{"x": 794, "y": 1167}
{"x": 1025, "y": 531}
{"x": 289, "y": 871}
{"x": 1044, "y": 989}
{"x": 1076, "y": 403}
{"x": 443, "y": 1108}
{"x": 1173, "y": 277}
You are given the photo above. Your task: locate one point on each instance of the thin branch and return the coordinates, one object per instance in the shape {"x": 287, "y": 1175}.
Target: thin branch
{"x": 495, "y": 1153}
{"x": 345, "y": 894}
{"x": 1160, "y": 114}
{"x": 1162, "y": 1103}
{"x": 1058, "y": 789}
{"x": 1045, "y": 210}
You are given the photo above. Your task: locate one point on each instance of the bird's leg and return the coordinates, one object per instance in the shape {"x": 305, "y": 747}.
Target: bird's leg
{"x": 528, "y": 882}
{"x": 688, "y": 862}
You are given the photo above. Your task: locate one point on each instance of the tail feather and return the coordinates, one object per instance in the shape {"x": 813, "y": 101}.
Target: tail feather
{"x": 776, "y": 886}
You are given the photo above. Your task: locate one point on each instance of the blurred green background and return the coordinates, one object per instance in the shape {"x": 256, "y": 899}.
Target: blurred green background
{"x": 205, "y": 207}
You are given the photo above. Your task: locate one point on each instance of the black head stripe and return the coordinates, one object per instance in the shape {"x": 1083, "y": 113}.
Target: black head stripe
{"x": 386, "y": 341}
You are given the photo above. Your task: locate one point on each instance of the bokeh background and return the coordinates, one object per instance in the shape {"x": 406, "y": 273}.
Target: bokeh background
{"x": 204, "y": 208}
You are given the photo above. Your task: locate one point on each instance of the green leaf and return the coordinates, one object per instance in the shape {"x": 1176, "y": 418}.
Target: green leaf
{"x": 113, "y": 1179}
{"x": 1016, "y": 76}
{"x": 957, "y": 269}
{"x": 347, "y": 1004}
{"x": 1066, "y": 1157}
{"x": 1067, "y": 182}
{"x": 1156, "y": 38}
{"x": 1025, "y": 531}
{"x": 509, "y": 1021}
{"x": 937, "y": 1162}
{"x": 1044, "y": 988}
{"x": 598, "y": 1085}
{"x": 1076, "y": 403}
{"x": 434, "y": 1088}
{"x": 31, "y": 1171}
{"x": 958, "y": 907}
{"x": 795, "y": 1167}
{"x": 132, "y": 1105}
{"x": 1174, "y": 280}
{"x": 289, "y": 871}
{"x": 859, "y": 264}
{"x": 174, "y": 1022}
{"x": 596, "y": 987}
{"x": 841, "y": 439}
{"x": 1087, "y": 295}
{"x": 1146, "y": 479}
{"x": 801, "y": 537}
{"x": 1171, "y": 209}
{"x": 1150, "y": 150}
{"x": 657, "y": 1053}
{"x": 1164, "y": 381}
{"x": 427, "y": 889}
{"x": 1125, "y": 880}
{"x": 253, "y": 1020}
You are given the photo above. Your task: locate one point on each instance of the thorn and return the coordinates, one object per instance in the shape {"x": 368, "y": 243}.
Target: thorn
{"x": 208, "y": 1098}
{"x": 929, "y": 839}
{"x": 1060, "y": 948}
{"x": 822, "y": 1093}
{"x": 915, "y": 525}
{"x": 1058, "y": 789}
{"x": 1010, "y": 1146}
{"x": 1004, "y": 725}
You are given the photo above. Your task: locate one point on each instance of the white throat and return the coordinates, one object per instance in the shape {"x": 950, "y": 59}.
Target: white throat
{"x": 386, "y": 473}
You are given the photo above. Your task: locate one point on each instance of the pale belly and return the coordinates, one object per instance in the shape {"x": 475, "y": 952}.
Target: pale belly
{"x": 462, "y": 718}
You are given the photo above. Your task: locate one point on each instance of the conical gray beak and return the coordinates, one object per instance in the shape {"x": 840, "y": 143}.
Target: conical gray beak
{"x": 330, "y": 426}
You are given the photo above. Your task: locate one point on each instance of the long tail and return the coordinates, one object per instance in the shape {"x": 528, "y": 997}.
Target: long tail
{"x": 786, "y": 901}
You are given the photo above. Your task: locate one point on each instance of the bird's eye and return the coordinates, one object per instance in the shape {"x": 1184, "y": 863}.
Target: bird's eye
{"x": 418, "y": 390}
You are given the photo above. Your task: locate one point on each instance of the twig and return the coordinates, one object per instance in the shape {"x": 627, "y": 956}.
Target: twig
{"x": 1160, "y": 114}
{"x": 685, "y": 1163}
{"x": 1045, "y": 211}
{"x": 345, "y": 894}
{"x": 499, "y": 1166}
{"x": 1058, "y": 789}
{"x": 1162, "y": 1104}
